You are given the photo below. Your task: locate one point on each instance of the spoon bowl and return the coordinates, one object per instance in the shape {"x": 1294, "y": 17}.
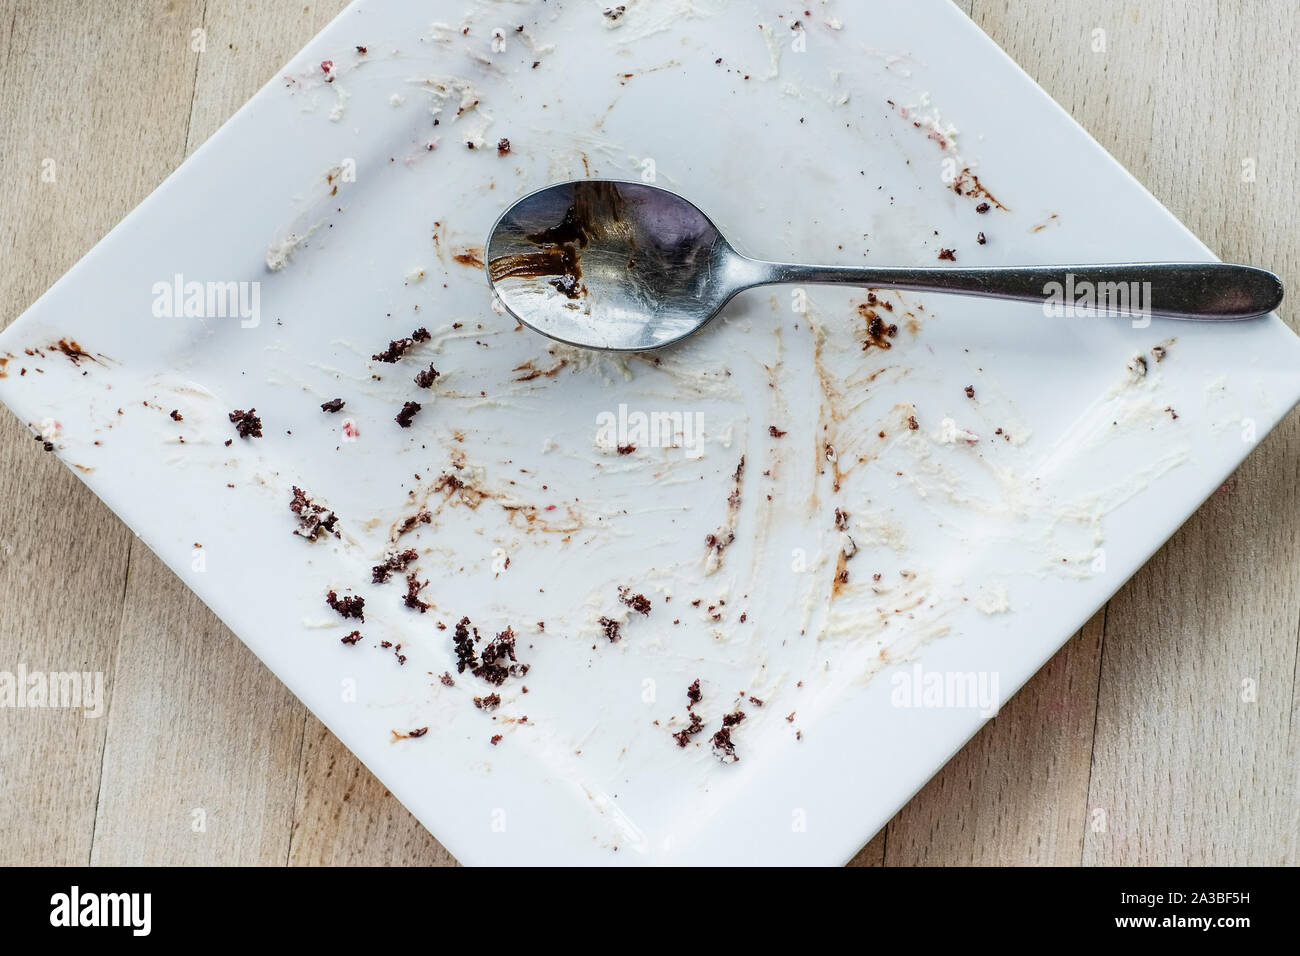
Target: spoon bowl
{"x": 611, "y": 265}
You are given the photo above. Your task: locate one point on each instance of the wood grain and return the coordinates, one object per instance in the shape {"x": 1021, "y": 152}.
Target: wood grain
{"x": 345, "y": 816}
{"x": 1134, "y": 745}
{"x": 1017, "y": 793}
{"x": 188, "y": 775}
{"x": 1183, "y": 769}
{"x": 63, "y": 555}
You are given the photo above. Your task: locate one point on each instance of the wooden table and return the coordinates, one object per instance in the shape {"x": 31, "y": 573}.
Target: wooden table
{"x": 1132, "y": 746}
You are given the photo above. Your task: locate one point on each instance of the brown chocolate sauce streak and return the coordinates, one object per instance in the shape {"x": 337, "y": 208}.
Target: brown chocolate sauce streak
{"x": 595, "y": 205}
{"x": 471, "y": 256}
{"x": 571, "y": 228}
{"x": 561, "y": 262}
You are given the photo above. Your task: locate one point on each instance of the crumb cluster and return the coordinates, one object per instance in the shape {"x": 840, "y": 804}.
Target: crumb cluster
{"x": 351, "y": 606}
{"x": 398, "y": 347}
{"x": 313, "y": 519}
{"x": 394, "y": 562}
{"x": 246, "y": 423}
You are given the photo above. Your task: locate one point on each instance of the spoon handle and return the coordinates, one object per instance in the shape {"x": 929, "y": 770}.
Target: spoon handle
{"x": 1207, "y": 291}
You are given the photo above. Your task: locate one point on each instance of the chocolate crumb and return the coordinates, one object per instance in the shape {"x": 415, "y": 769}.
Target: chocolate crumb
{"x": 313, "y": 520}
{"x": 983, "y": 208}
{"x": 970, "y": 391}
{"x": 723, "y": 747}
{"x": 878, "y": 333}
{"x": 490, "y": 702}
{"x": 425, "y": 378}
{"x": 410, "y": 521}
{"x": 394, "y": 562}
{"x": 352, "y": 638}
{"x": 566, "y": 284}
{"x": 347, "y": 606}
{"x": 176, "y": 415}
{"x": 407, "y": 413}
{"x": 446, "y": 679}
{"x": 610, "y": 627}
{"x": 912, "y": 423}
{"x": 493, "y": 667}
{"x": 496, "y": 739}
{"x": 637, "y": 602}
{"x": 774, "y": 431}
{"x": 693, "y": 694}
{"x": 683, "y": 737}
{"x": 626, "y": 449}
{"x": 398, "y": 347}
{"x": 466, "y": 659}
{"x": 246, "y": 423}
{"x": 949, "y": 255}
{"x": 413, "y": 589}
{"x": 982, "y": 239}
{"x": 333, "y": 405}
{"x": 503, "y": 146}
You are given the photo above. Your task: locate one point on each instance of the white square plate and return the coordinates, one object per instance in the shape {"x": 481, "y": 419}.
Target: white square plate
{"x": 353, "y": 174}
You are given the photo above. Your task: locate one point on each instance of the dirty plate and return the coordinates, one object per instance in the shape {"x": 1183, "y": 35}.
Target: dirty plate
{"x": 860, "y": 521}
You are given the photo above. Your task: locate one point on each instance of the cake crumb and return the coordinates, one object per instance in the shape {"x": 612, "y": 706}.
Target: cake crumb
{"x": 313, "y": 519}
{"x": 683, "y": 737}
{"x": 637, "y": 602}
{"x": 246, "y": 423}
{"x": 610, "y": 628}
{"x": 380, "y": 573}
{"x": 398, "y": 347}
{"x": 426, "y": 377}
{"x": 407, "y": 414}
{"x": 413, "y": 589}
{"x": 351, "y": 606}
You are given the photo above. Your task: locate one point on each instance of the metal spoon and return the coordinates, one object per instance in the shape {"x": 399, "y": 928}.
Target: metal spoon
{"x": 630, "y": 267}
